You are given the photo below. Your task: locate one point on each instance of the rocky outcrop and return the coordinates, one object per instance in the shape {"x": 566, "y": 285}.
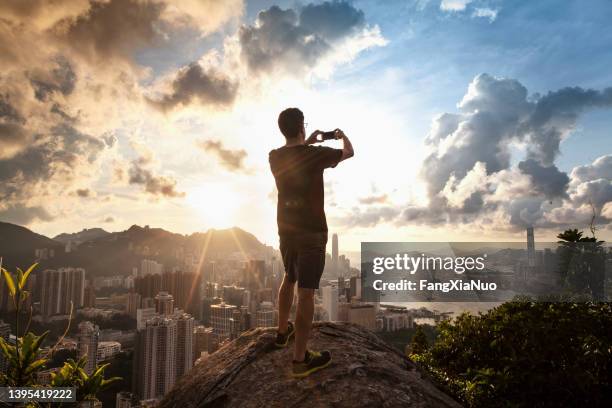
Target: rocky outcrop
{"x": 365, "y": 372}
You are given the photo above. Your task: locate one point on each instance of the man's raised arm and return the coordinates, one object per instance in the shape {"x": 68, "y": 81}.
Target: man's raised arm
{"x": 347, "y": 147}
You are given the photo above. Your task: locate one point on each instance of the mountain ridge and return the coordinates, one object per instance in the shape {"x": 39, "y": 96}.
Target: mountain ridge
{"x": 116, "y": 253}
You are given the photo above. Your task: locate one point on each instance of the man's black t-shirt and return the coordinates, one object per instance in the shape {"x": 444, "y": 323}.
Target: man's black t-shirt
{"x": 298, "y": 171}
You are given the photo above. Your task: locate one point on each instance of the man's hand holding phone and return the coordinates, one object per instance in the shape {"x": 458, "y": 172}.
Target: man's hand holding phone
{"x": 330, "y": 135}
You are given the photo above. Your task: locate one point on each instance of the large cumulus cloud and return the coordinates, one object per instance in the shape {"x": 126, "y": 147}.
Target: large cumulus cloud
{"x": 296, "y": 40}
{"x": 469, "y": 172}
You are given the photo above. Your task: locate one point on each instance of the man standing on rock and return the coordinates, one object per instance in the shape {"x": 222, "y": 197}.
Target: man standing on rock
{"x": 302, "y": 228}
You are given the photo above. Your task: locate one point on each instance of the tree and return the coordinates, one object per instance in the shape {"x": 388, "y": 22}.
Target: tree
{"x": 526, "y": 354}
{"x": 419, "y": 344}
{"x": 582, "y": 263}
{"x": 25, "y": 358}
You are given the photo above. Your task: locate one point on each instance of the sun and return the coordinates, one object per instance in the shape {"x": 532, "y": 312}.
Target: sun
{"x": 215, "y": 204}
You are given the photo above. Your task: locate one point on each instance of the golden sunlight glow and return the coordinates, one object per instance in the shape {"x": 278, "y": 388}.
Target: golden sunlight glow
{"x": 215, "y": 204}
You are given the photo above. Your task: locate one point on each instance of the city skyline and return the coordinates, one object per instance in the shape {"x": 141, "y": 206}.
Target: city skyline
{"x": 464, "y": 129}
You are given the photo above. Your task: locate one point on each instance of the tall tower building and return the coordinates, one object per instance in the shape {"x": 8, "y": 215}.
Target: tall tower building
{"x": 184, "y": 343}
{"x": 330, "y": 302}
{"x": 531, "y": 254}
{"x": 164, "y": 303}
{"x": 61, "y": 287}
{"x": 87, "y": 344}
{"x": 335, "y": 266}
{"x": 155, "y": 358}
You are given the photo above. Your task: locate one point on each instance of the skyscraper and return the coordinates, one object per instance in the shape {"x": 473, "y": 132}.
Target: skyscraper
{"x": 87, "y": 344}
{"x": 220, "y": 319}
{"x": 335, "y": 268}
{"x": 142, "y": 315}
{"x": 330, "y": 302}
{"x": 201, "y": 341}
{"x": 61, "y": 287}
{"x": 206, "y": 311}
{"x": 531, "y": 254}
{"x": 184, "y": 343}
{"x": 164, "y": 303}
{"x": 155, "y": 358}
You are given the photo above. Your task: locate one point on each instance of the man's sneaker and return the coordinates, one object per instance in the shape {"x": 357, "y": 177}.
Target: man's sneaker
{"x": 282, "y": 339}
{"x": 314, "y": 361}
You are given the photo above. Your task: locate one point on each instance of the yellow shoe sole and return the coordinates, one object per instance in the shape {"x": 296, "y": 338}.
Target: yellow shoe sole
{"x": 283, "y": 345}
{"x": 312, "y": 370}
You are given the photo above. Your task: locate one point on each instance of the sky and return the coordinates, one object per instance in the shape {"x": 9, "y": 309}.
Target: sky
{"x": 471, "y": 120}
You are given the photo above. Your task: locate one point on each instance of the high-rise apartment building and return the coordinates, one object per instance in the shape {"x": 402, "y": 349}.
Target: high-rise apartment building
{"x": 164, "y": 303}
{"x": 87, "y": 344}
{"x": 184, "y": 343}
{"x": 61, "y": 287}
{"x": 335, "y": 268}
{"x": 221, "y": 319}
{"x": 155, "y": 358}
{"x": 142, "y": 315}
{"x": 201, "y": 341}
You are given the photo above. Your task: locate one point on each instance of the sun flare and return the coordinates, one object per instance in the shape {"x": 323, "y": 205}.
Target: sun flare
{"x": 214, "y": 204}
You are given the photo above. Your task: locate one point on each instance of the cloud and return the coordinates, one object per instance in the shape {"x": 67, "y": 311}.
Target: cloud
{"x": 83, "y": 192}
{"x": 454, "y": 5}
{"x": 61, "y": 78}
{"x": 108, "y": 219}
{"x": 601, "y": 168}
{"x": 22, "y": 215}
{"x": 370, "y": 217}
{"x": 374, "y": 199}
{"x": 155, "y": 185}
{"x": 468, "y": 171}
{"x": 231, "y": 159}
{"x": 116, "y": 28}
{"x": 296, "y": 40}
{"x": 111, "y": 28}
{"x": 486, "y": 12}
{"x": 194, "y": 84}
{"x": 547, "y": 180}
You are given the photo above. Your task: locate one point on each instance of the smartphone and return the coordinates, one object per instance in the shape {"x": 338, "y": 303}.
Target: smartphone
{"x": 328, "y": 135}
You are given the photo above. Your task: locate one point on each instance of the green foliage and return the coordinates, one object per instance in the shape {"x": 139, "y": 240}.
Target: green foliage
{"x": 526, "y": 354}
{"x": 73, "y": 374}
{"x": 25, "y": 358}
{"x": 419, "y": 344}
{"x": 582, "y": 263}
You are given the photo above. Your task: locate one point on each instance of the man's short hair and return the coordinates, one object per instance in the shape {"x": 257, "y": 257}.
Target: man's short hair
{"x": 290, "y": 122}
